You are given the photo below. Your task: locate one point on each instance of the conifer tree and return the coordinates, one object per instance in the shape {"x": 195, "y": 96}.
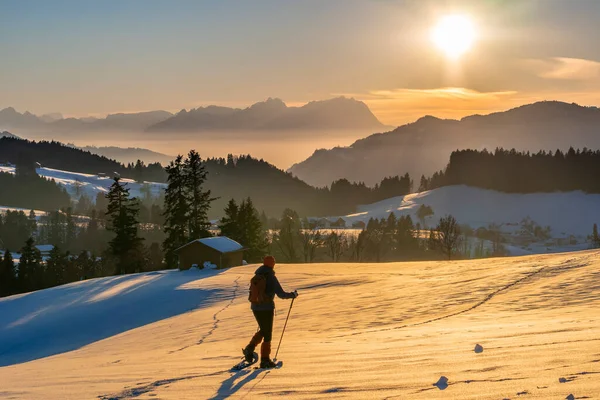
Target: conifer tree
{"x": 175, "y": 213}
{"x": 155, "y": 257}
{"x": 229, "y": 223}
{"x": 30, "y": 273}
{"x": 8, "y": 277}
{"x": 122, "y": 215}
{"x": 55, "y": 268}
{"x": 70, "y": 229}
{"x": 33, "y": 227}
{"x": 198, "y": 199}
{"x": 252, "y": 234}
{"x": 84, "y": 266}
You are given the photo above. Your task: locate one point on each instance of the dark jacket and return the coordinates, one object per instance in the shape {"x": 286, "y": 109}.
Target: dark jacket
{"x": 273, "y": 288}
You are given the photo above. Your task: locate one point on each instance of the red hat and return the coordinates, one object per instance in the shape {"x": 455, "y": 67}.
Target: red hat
{"x": 269, "y": 261}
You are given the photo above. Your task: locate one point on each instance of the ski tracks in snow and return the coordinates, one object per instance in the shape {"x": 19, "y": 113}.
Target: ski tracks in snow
{"x": 565, "y": 266}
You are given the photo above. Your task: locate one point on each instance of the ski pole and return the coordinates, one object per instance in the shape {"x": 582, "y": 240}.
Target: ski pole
{"x": 286, "y": 321}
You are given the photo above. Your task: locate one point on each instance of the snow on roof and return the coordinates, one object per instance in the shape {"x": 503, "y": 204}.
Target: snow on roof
{"x": 44, "y": 248}
{"x": 220, "y": 243}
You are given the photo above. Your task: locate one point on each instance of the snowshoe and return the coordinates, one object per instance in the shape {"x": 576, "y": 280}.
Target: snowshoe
{"x": 249, "y": 354}
{"x": 245, "y": 364}
{"x": 268, "y": 364}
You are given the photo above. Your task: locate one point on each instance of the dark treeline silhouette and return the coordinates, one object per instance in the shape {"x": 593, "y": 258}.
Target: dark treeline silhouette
{"x": 31, "y": 192}
{"x": 56, "y": 155}
{"x": 521, "y": 172}
{"x": 271, "y": 189}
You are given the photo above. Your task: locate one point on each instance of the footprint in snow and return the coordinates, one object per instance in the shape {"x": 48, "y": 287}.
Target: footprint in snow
{"x": 442, "y": 383}
{"x": 478, "y": 348}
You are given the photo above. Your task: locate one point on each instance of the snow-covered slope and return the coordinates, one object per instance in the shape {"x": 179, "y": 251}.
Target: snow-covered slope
{"x": 567, "y": 213}
{"x": 378, "y": 331}
{"x": 77, "y": 183}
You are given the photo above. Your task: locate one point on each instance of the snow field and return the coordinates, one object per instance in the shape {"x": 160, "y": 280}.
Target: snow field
{"x": 77, "y": 183}
{"x": 381, "y": 331}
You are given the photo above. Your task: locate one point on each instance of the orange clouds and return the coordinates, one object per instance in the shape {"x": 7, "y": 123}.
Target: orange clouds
{"x": 565, "y": 68}
{"x": 400, "y": 106}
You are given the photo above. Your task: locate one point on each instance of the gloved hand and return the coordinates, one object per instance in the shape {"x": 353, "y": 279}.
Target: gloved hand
{"x": 295, "y": 293}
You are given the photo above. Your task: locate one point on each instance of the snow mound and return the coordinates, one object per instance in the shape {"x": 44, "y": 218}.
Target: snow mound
{"x": 40, "y": 324}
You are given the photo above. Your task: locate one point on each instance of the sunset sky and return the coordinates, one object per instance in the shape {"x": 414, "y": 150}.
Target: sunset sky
{"x": 85, "y": 57}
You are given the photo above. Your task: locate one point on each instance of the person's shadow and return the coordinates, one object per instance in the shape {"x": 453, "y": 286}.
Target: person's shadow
{"x": 229, "y": 386}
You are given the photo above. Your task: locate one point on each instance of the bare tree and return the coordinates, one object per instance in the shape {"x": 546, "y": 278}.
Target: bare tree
{"x": 288, "y": 236}
{"x": 356, "y": 246}
{"x": 311, "y": 239}
{"x": 447, "y": 236}
{"x": 337, "y": 243}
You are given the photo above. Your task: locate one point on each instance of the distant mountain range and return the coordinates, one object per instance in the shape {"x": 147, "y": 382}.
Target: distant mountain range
{"x": 8, "y": 134}
{"x": 12, "y": 119}
{"x": 130, "y": 154}
{"x": 424, "y": 146}
{"x": 273, "y": 114}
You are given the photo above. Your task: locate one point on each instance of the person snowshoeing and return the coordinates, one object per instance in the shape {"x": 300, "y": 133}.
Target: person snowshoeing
{"x": 263, "y": 288}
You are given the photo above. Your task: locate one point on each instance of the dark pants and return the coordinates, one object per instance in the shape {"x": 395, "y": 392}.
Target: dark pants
{"x": 265, "y": 323}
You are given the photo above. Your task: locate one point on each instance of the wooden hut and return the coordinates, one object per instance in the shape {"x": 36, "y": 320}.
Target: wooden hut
{"x": 218, "y": 250}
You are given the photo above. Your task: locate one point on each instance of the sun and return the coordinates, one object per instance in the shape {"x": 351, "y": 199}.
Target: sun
{"x": 454, "y": 35}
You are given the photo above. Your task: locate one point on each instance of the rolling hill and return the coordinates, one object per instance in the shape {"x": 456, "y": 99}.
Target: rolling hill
{"x": 129, "y": 154}
{"x": 502, "y": 328}
{"x": 424, "y": 147}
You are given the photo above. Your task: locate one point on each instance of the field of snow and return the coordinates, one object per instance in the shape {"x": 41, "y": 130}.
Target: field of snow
{"x": 565, "y": 212}
{"x": 77, "y": 183}
{"x": 363, "y": 331}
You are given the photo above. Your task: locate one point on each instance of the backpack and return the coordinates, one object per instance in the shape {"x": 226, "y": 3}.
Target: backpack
{"x": 258, "y": 290}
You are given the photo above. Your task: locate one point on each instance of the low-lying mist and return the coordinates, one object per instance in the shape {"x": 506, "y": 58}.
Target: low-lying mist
{"x": 282, "y": 149}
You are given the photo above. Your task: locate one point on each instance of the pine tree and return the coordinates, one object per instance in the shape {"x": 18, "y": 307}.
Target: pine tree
{"x": 122, "y": 215}
{"x": 194, "y": 172}
{"x": 31, "y": 276}
{"x": 155, "y": 257}
{"x": 55, "y": 268}
{"x": 175, "y": 213}
{"x": 70, "y": 229}
{"x": 229, "y": 223}
{"x": 252, "y": 234}
{"x": 33, "y": 227}
{"x": 84, "y": 265}
{"x": 8, "y": 277}
{"x": 138, "y": 171}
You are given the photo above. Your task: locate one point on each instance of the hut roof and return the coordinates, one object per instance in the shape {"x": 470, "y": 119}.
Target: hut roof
{"x": 220, "y": 243}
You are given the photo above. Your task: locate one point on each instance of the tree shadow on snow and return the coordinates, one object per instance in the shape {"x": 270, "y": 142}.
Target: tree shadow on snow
{"x": 68, "y": 317}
